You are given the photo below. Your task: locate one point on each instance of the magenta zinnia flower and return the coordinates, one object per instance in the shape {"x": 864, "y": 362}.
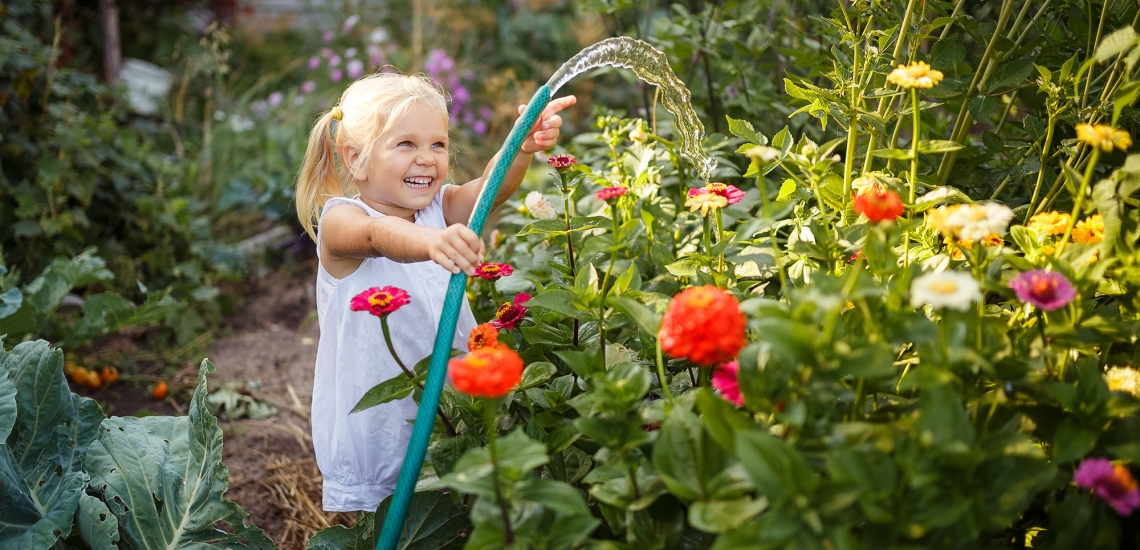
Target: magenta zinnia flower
{"x": 724, "y": 381}
{"x": 510, "y": 315}
{"x": 380, "y": 301}
{"x": 1111, "y": 482}
{"x": 611, "y": 193}
{"x": 561, "y": 162}
{"x": 493, "y": 272}
{"x": 1047, "y": 290}
{"x": 729, "y": 192}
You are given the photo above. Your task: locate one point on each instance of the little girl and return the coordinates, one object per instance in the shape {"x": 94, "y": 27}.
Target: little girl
{"x": 386, "y": 218}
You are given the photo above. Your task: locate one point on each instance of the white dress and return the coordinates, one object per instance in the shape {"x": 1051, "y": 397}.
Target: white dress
{"x": 360, "y": 454}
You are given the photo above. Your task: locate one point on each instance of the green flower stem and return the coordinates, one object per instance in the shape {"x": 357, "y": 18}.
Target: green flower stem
{"x": 858, "y": 405}
{"x": 492, "y": 431}
{"x": 706, "y": 237}
{"x": 776, "y": 252}
{"x": 885, "y": 103}
{"x": 705, "y": 375}
{"x": 944, "y": 339}
{"x": 661, "y": 374}
{"x": 411, "y": 375}
{"x": 1079, "y": 201}
{"x": 567, "y": 192}
{"x": 1052, "y": 125}
{"x": 605, "y": 282}
{"x": 720, "y": 239}
{"x": 913, "y": 192}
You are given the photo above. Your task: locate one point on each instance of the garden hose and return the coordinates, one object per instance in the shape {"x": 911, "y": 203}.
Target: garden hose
{"x": 441, "y": 353}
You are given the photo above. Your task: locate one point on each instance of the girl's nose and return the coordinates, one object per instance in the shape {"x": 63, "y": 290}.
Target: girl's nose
{"x": 424, "y": 159}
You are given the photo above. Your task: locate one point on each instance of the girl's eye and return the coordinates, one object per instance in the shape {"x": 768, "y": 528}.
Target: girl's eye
{"x": 440, "y": 144}
{"x": 405, "y": 142}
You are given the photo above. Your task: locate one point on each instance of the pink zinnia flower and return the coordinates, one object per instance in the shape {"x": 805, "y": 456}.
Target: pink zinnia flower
{"x": 729, "y": 192}
{"x": 510, "y": 315}
{"x": 1111, "y": 482}
{"x": 724, "y": 381}
{"x": 314, "y": 62}
{"x": 1047, "y": 290}
{"x": 308, "y": 86}
{"x": 336, "y": 75}
{"x": 611, "y": 193}
{"x": 380, "y": 301}
{"x": 355, "y": 68}
{"x": 562, "y": 162}
{"x": 328, "y": 36}
{"x": 493, "y": 272}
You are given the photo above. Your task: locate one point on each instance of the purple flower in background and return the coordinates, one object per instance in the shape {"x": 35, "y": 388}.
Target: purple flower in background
{"x": 299, "y": 100}
{"x": 480, "y": 127}
{"x": 1111, "y": 482}
{"x": 438, "y": 63}
{"x": 350, "y": 22}
{"x": 375, "y": 56}
{"x": 336, "y": 75}
{"x": 486, "y": 112}
{"x": 308, "y": 86}
{"x": 378, "y": 35}
{"x": 460, "y": 95}
{"x": 355, "y": 68}
{"x": 258, "y": 108}
{"x": 1047, "y": 290}
{"x": 334, "y": 61}
{"x": 275, "y": 99}
{"x": 350, "y": 53}
{"x": 314, "y": 62}
{"x": 325, "y": 52}
{"x": 329, "y": 35}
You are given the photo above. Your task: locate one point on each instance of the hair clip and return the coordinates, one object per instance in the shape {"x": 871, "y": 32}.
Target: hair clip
{"x": 337, "y": 113}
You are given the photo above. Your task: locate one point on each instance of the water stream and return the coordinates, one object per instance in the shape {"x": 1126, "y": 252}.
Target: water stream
{"x": 651, "y": 66}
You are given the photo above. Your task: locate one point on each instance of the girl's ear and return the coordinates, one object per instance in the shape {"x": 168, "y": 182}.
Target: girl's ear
{"x": 350, "y": 155}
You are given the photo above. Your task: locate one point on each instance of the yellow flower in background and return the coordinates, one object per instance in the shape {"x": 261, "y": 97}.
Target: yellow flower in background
{"x": 705, "y": 202}
{"x": 1048, "y": 223}
{"x": 867, "y": 183}
{"x": 938, "y": 219}
{"x": 1123, "y": 379}
{"x": 1103, "y": 136}
{"x": 1089, "y": 230}
{"x": 970, "y": 222}
{"x": 916, "y": 75}
{"x": 762, "y": 153}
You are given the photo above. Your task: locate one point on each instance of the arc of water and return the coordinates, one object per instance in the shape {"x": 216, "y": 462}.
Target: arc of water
{"x": 441, "y": 352}
{"x": 651, "y": 66}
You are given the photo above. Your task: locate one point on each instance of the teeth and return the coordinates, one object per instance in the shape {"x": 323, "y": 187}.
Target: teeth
{"x": 418, "y": 182}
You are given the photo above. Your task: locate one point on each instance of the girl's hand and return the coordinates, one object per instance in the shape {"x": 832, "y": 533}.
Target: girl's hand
{"x": 545, "y": 132}
{"x": 457, "y": 248}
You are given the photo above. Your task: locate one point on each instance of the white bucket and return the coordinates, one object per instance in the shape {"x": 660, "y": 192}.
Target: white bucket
{"x": 146, "y": 83}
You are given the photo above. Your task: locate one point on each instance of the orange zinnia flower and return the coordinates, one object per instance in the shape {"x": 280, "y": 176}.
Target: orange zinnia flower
{"x": 486, "y": 372}
{"x": 704, "y": 325}
{"x": 483, "y": 336}
{"x": 1090, "y": 230}
{"x": 879, "y": 206}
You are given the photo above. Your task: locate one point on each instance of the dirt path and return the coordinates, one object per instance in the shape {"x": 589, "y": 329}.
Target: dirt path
{"x": 273, "y": 474}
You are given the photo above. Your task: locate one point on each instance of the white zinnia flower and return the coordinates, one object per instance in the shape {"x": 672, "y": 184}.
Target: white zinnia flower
{"x": 1123, "y": 379}
{"x": 539, "y": 207}
{"x": 978, "y": 221}
{"x": 947, "y": 289}
{"x": 763, "y": 153}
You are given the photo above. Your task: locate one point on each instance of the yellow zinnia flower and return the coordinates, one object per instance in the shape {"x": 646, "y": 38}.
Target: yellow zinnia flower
{"x": 1048, "y": 223}
{"x": 705, "y": 202}
{"x": 1090, "y": 230}
{"x": 1104, "y": 137}
{"x": 915, "y": 75}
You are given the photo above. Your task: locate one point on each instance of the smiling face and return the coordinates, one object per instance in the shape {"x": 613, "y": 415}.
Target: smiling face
{"x": 407, "y": 165}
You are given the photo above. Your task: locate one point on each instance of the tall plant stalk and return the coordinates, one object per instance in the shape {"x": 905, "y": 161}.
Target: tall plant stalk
{"x": 409, "y": 373}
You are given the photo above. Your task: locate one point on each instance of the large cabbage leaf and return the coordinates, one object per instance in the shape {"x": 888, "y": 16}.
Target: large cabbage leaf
{"x": 41, "y": 475}
{"x": 164, "y": 480}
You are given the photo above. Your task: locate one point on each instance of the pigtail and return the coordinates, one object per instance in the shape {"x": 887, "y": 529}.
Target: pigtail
{"x": 318, "y": 178}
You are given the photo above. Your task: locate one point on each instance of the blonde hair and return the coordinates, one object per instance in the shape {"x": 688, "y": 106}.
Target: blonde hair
{"x": 367, "y": 109}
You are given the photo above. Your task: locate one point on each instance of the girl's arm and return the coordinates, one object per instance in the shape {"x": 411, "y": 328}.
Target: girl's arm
{"x": 348, "y": 235}
{"x": 458, "y": 204}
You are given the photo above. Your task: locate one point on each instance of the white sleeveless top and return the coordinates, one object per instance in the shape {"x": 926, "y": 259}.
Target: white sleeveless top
{"x": 360, "y": 454}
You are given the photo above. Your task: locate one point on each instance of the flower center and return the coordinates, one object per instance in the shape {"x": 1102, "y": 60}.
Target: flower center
{"x": 944, "y": 287}
{"x": 478, "y": 361}
{"x": 1120, "y": 482}
{"x": 701, "y": 299}
{"x": 503, "y": 310}
{"x": 380, "y": 299}
{"x": 1044, "y": 289}
{"x": 716, "y": 187}
{"x": 490, "y": 269}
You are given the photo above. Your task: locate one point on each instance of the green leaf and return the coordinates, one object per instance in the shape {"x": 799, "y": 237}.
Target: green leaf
{"x": 163, "y": 478}
{"x": 646, "y": 319}
{"x": 537, "y": 373}
{"x": 787, "y": 189}
{"x": 719, "y": 516}
{"x": 744, "y": 130}
{"x": 777, "y": 469}
{"x": 939, "y": 196}
{"x": 894, "y": 154}
{"x": 1115, "y": 43}
{"x": 554, "y": 495}
{"x": 721, "y": 418}
{"x": 97, "y": 525}
{"x": 46, "y": 291}
{"x": 938, "y": 146}
{"x": 433, "y": 521}
{"x": 41, "y": 474}
{"x": 559, "y": 301}
{"x": 677, "y": 453}
{"x": 397, "y": 387}
{"x": 558, "y": 227}
{"x": 10, "y": 302}
{"x": 1072, "y": 441}
{"x": 7, "y": 406}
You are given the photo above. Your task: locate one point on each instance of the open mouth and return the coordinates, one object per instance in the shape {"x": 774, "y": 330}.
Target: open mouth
{"x": 418, "y": 183}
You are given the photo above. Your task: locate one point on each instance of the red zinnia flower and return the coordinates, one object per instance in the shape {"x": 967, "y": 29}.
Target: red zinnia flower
{"x": 493, "y": 272}
{"x": 724, "y": 380}
{"x": 611, "y": 193}
{"x": 486, "y": 372}
{"x": 1111, "y": 482}
{"x": 561, "y": 162}
{"x": 483, "y": 336}
{"x": 380, "y": 301}
{"x": 729, "y": 192}
{"x": 704, "y": 325}
{"x": 510, "y": 315}
{"x": 879, "y": 206}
